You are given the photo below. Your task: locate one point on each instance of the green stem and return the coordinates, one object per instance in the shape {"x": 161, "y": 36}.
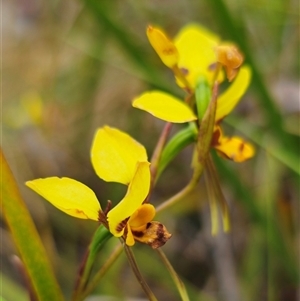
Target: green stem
{"x": 186, "y": 190}
{"x": 105, "y": 267}
{"x": 137, "y": 272}
{"x": 203, "y": 147}
{"x": 157, "y": 153}
{"x": 179, "y": 284}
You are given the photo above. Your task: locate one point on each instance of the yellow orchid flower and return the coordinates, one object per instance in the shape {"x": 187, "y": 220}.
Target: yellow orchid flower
{"x": 199, "y": 51}
{"x": 195, "y": 51}
{"x": 115, "y": 157}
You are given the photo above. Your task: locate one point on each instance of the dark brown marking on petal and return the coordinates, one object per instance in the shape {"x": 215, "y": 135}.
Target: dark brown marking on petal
{"x": 184, "y": 71}
{"x": 148, "y": 225}
{"x": 137, "y": 233}
{"x": 241, "y": 147}
{"x": 155, "y": 235}
{"x": 169, "y": 51}
{"x": 160, "y": 232}
{"x": 122, "y": 225}
{"x": 162, "y": 237}
{"x": 212, "y": 67}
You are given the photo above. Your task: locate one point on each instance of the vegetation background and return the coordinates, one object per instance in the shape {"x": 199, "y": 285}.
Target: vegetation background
{"x": 69, "y": 67}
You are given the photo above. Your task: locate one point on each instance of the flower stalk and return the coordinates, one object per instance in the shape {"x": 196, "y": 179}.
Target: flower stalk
{"x": 178, "y": 282}
{"x": 184, "y": 192}
{"x": 157, "y": 154}
{"x": 137, "y": 273}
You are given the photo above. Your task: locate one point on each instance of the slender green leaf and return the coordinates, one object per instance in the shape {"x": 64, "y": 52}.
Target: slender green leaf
{"x": 26, "y": 238}
{"x": 101, "y": 236}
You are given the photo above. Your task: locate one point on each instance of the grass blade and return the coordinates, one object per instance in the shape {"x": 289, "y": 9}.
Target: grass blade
{"x": 26, "y": 238}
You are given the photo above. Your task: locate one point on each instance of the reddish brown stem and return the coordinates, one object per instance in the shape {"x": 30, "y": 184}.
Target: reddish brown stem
{"x": 156, "y": 156}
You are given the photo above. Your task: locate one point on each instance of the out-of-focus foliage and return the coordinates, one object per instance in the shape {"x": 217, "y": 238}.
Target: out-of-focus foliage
{"x": 69, "y": 67}
{"x": 35, "y": 261}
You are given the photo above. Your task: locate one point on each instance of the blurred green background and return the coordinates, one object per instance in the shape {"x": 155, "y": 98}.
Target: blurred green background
{"x": 69, "y": 67}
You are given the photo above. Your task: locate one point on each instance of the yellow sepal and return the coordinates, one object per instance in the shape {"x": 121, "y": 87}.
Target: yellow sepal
{"x": 163, "y": 46}
{"x": 68, "y": 195}
{"x": 114, "y": 155}
{"x": 164, "y": 106}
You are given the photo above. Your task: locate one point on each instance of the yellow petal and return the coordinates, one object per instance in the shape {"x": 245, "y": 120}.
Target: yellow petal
{"x": 164, "y": 106}
{"x": 138, "y": 222}
{"x": 163, "y": 46}
{"x": 196, "y": 46}
{"x": 68, "y": 195}
{"x": 137, "y": 192}
{"x": 114, "y": 155}
{"x": 229, "y": 99}
{"x": 144, "y": 214}
{"x": 235, "y": 148}
{"x": 230, "y": 57}
{"x": 129, "y": 238}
